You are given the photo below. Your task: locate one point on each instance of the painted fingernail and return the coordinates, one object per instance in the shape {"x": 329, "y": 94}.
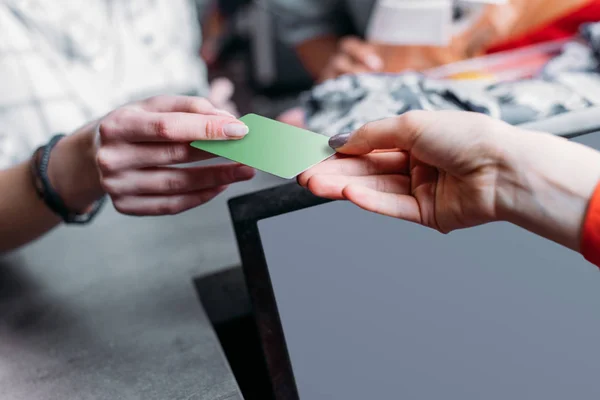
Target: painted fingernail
{"x": 337, "y": 141}
{"x": 374, "y": 62}
{"x": 235, "y": 130}
{"x": 243, "y": 172}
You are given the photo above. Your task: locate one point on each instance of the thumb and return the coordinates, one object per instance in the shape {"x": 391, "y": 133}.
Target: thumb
{"x": 399, "y": 132}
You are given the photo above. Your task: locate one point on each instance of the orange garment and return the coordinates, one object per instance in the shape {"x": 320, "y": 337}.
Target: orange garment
{"x": 590, "y": 239}
{"x": 562, "y": 28}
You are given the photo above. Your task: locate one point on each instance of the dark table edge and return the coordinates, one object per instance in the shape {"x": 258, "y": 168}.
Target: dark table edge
{"x": 246, "y": 211}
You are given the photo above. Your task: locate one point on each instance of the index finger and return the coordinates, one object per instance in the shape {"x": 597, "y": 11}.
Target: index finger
{"x": 189, "y": 104}
{"x": 141, "y": 126}
{"x": 390, "y": 133}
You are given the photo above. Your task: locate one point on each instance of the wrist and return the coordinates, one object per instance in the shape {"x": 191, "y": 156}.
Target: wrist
{"x": 546, "y": 184}
{"x": 72, "y": 170}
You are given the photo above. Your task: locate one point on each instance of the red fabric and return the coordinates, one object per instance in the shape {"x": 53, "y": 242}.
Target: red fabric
{"x": 561, "y": 29}
{"x": 590, "y": 239}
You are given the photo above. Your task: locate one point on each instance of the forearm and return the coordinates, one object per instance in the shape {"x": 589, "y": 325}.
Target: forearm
{"x": 546, "y": 185}
{"x": 315, "y": 53}
{"x": 24, "y": 217}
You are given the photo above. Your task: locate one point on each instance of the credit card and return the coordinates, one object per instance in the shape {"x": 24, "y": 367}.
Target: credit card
{"x": 272, "y": 147}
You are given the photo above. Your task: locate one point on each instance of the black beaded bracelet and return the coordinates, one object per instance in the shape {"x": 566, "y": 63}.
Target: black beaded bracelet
{"x": 39, "y": 171}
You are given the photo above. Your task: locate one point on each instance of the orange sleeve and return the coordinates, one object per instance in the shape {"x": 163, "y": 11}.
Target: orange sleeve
{"x": 590, "y": 239}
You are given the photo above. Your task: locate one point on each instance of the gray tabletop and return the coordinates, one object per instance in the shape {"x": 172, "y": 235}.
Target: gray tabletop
{"x": 109, "y": 311}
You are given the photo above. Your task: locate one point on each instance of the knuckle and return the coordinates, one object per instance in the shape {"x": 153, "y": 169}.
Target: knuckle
{"x": 177, "y": 153}
{"x": 121, "y": 114}
{"x": 411, "y": 119}
{"x": 200, "y": 105}
{"x": 163, "y": 129}
{"x": 382, "y": 185}
{"x": 109, "y": 126}
{"x": 175, "y": 184}
{"x": 104, "y": 162}
{"x": 107, "y": 129}
{"x": 213, "y": 130}
{"x": 412, "y": 123}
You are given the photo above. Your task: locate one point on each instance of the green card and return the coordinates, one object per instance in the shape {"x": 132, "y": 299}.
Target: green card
{"x": 273, "y": 147}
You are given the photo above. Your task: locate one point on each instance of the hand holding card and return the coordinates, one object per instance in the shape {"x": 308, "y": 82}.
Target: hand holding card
{"x": 273, "y": 147}
{"x": 136, "y": 154}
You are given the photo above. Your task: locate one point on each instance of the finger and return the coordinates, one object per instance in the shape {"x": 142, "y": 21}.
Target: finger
{"x": 164, "y": 205}
{"x": 140, "y": 126}
{"x": 184, "y": 104}
{"x": 370, "y": 164}
{"x": 397, "y": 132}
{"x": 362, "y": 53}
{"x": 389, "y": 204}
{"x": 170, "y": 181}
{"x": 343, "y": 65}
{"x": 332, "y": 186}
{"x": 120, "y": 156}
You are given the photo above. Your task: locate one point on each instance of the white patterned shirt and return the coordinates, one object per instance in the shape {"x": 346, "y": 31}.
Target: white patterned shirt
{"x": 66, "y": 62}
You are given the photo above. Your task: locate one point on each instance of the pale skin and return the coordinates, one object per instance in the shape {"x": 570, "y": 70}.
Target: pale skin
{"x": 455, "y": 170}
{"x": 130, "y": 155}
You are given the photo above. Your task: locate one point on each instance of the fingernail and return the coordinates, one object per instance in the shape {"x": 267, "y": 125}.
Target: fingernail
{"x": 337, "y": 141}
{"x": 243, "y": 172}
{"x": 235, "y": 130}
{"x": 374, "y": 62}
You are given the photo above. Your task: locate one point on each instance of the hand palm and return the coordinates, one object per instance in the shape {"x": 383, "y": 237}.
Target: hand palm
{"x": 399, "y": 185}
{"x": 445, "y": 178}
{"x": 447, "y": 203}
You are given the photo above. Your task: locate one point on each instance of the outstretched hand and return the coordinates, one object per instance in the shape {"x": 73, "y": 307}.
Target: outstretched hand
{"x": 439, "y": 169}
{"x": 136, "y": 155}
{"x": 451, "y": 170}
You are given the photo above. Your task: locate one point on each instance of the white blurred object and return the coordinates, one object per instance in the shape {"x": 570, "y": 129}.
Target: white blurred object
{"x": 423, "y": 22}
{"x": 411, "y": 22}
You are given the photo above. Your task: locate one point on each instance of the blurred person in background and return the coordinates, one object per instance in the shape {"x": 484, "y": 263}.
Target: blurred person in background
{"x": 329, "y": 36}
{"x": 64, "y": 63}
{"x": 93, "y": 70}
